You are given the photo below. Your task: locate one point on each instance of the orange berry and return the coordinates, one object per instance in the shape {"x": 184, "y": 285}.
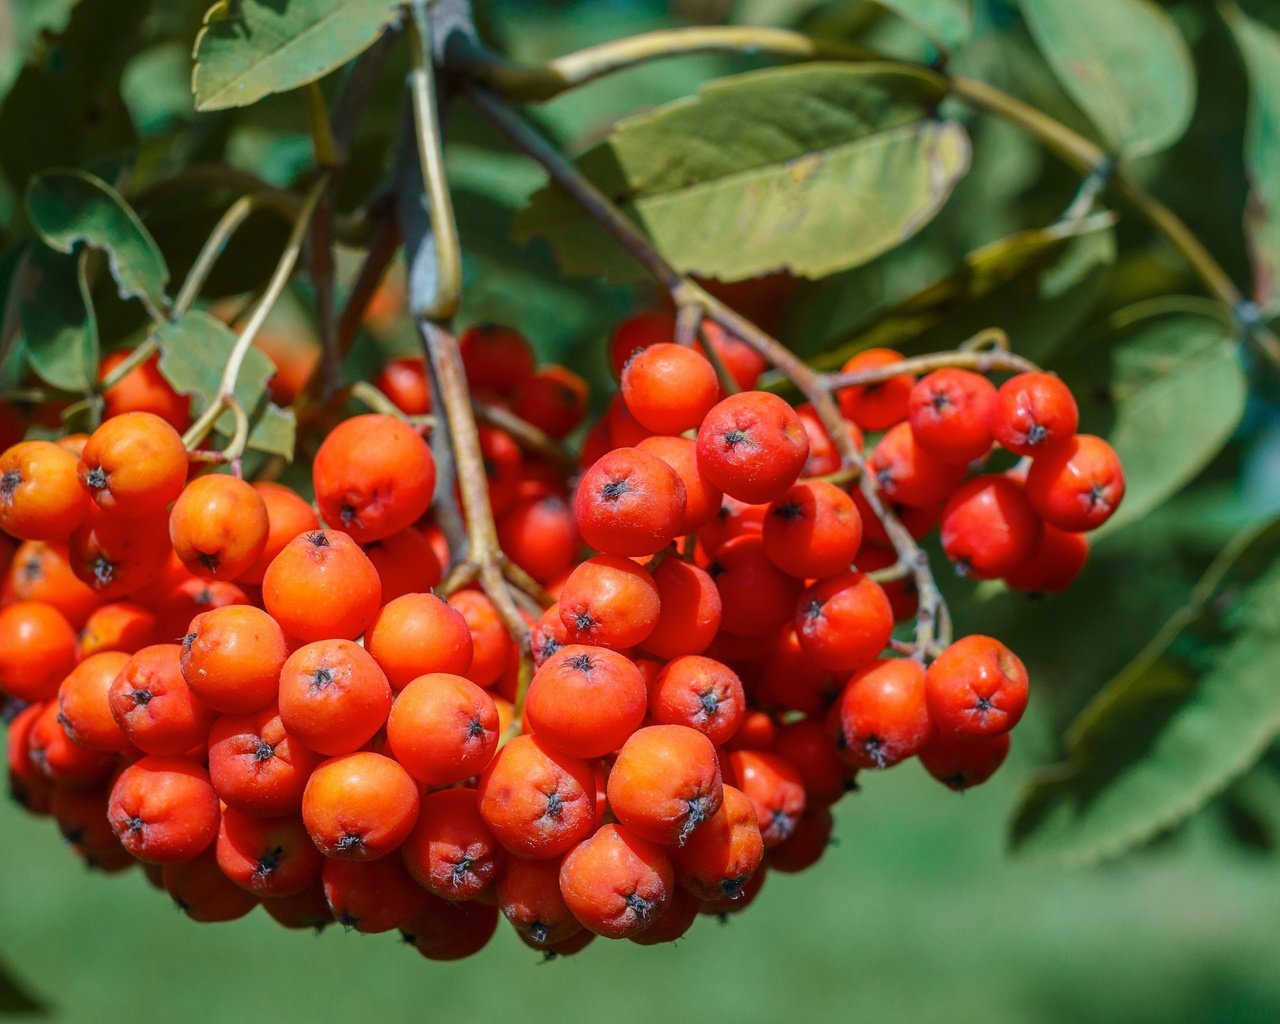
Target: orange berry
{"x": 37, "y": 649}
{"x": 616, "y": 883}
{"x": 232, "y": 658}
{"x": 163, "y": 809}
{"x": 37, "y": 498}
{"x": 320, "y": 586}
{"x": 359, "y": 806}
{"x": 374, "y": 476}
{"x": 219, "y": 526}
{"x": 134, "y": 465}
{"x": 333, "y": 696}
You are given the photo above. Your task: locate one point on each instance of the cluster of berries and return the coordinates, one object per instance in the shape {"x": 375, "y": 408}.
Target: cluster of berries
{"x": 263, "y": 709}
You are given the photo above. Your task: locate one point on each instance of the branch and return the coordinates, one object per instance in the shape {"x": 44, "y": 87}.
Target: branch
{"x": 434, "y": 293}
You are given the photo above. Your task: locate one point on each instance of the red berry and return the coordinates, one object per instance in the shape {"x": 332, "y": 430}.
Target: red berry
{"x": 876, "y": 406}
{"x": 1078, "y": 485}
{"x": 882, "y": 717}
{"x": 752, "y": 446}
{"x": 669, "y": 388}
{"x": 1033, "y": 413}
{"x": 976, "y": 687}
{"x": 950, "y": 415}
{"x": 629, "y": 503}
{"x": 989, "y": 528}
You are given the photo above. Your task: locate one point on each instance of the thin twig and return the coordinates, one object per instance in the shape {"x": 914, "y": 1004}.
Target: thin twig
{"x": 526, "y": 435}
{"x": 226, "y": 398}
{"x": 980, "y": 361}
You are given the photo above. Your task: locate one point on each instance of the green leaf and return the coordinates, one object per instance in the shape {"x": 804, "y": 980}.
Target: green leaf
{"x": 1190, "y": 714}
{"x": 193, "y": 352}
{"x": 1124, "y": 62}
{"x": 273, "y": 430}
{"x": 70, "y": 207}
{"x": 1027, "y": 283}
{"x": 22, "y": 22}
{"x": 810, "y": 169}
{"x": 259, "y": 47}
{"x": 948, "y": 23}
{"x": 1167, "y": 396}
{"x": 1260, "y": 47}
{"x": 58, "y": 327}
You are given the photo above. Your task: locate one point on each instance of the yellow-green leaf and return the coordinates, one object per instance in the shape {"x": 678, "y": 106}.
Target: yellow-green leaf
{"x": 810, "y": 169}
{"x": 257, "y": 47}
{"x": 194, "y": 349}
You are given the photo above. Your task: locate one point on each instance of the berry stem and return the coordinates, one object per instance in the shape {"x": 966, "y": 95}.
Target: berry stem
{"x": 484, "y": 562}
{"x": 525, "y": 434}
{"x": 983, "y": 362}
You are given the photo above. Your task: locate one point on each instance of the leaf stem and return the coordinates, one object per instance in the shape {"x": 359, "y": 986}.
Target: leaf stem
{"x": 226, "y": 398}
{"x": 322, "y": 141}
{"x": 532, "y": 84}
{"x": 228, "y": 224}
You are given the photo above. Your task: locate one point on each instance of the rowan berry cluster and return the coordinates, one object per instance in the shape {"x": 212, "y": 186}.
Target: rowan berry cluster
{"x": 264, "y": 700}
